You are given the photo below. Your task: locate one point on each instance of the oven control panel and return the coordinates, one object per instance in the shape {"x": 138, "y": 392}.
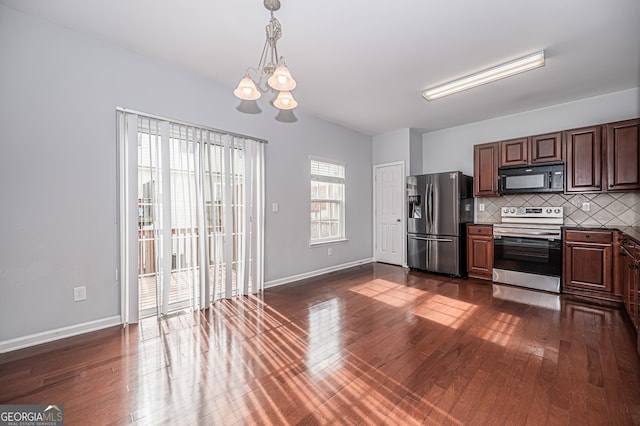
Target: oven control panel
{"x": 533, "y": 215}
{"x": 533, "y": 212}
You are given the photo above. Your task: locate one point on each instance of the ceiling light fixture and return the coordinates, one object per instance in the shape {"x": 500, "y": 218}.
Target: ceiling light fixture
{"x": 526, "y": 63}
{"x": 271, "y": 68}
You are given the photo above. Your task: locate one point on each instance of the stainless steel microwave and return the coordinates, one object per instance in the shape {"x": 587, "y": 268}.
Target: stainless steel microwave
{"x": 531, "y": 179}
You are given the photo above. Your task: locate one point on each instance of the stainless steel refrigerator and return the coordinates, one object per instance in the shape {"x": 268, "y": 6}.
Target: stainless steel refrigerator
{"x": 438, "y": 207}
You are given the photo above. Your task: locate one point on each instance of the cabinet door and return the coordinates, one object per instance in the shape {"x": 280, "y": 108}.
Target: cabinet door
{"x": 583, "y": 156}
{"x": 514, "y": 152}
{"x": 480, "y": 251}
{"x": 485, "y": 170}
{"x": 630, "y": 265}
{"x": 630, "y": 288}
{"x": 480, "y": 257}
{"x": 545, "y": 148}
{"x": 588, "y": 266}
{"x": 634, "y": 283}
{"x": 622, "y": 141}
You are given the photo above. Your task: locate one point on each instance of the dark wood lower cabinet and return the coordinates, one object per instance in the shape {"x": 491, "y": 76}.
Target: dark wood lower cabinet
{"x": 629, "y": 273}
{"x": 480, "y": 251}
{"x": 587, "y": 264}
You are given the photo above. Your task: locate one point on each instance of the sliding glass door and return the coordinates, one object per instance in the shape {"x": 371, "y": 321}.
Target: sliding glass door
{"x": 199, "y": 213}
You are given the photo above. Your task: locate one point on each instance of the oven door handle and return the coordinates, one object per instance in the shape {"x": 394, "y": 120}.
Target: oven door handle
{"x": 539, "y": 235}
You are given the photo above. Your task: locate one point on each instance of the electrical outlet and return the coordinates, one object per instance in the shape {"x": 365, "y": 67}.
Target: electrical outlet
{"x": 330, "y": 252}
{"x": 481, "y": 207}
{"x": 586, "y": 207}
{"x": 79, "y": 293}
{"x": 274, "y": 207}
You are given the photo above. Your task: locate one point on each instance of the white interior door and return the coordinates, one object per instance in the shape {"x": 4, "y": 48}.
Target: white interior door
{"x": 389, "y": 213}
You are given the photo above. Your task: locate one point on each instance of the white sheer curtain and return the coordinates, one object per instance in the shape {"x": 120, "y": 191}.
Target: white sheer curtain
{"x": 191, "y": 209}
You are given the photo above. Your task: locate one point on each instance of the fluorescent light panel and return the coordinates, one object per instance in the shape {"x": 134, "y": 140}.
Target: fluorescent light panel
{"x": 526, "y": 63}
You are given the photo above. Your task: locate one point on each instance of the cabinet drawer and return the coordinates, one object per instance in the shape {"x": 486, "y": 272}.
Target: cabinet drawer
{"x": 596, "y": 237}
{"x": 480, "y": 230}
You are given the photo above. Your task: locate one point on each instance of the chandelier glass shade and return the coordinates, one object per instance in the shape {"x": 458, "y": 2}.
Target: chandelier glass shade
{"x": 247, "y": 90}
{"x": 285, "y": 100}
{"x": 271, "y": 74}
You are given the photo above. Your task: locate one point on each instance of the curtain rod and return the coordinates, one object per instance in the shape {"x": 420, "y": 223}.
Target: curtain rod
{"x": 158, "y": 117}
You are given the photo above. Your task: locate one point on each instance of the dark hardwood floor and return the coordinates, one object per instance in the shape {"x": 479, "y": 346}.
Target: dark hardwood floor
{"x": 375, "y": 344}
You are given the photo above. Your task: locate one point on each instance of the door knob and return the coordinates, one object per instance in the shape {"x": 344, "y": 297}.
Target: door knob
{"x": 398, "y": 220}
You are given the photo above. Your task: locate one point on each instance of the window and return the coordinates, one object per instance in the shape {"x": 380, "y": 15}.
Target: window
{"x": 327, "y": 201}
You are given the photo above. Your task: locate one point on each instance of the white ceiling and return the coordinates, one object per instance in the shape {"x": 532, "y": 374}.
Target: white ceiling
{"x": 364, "y": 63}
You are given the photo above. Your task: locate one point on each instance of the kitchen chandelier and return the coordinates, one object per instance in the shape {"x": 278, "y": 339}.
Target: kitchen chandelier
{"x": 270, "y": 68}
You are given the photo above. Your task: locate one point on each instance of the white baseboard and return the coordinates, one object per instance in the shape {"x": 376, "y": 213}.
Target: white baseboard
{"x": 293, "y": 278}
{"x": 60, "y": 333}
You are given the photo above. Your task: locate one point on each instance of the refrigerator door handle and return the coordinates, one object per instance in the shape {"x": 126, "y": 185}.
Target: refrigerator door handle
{"x": 441, "y": 240}
{"x": 426, "y": 208}
{"x": 420, "y": 238}
{"x": 430, "y": 205}
{"x": 431, "y": 210}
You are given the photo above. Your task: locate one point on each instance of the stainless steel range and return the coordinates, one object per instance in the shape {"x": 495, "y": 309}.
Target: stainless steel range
{"x": 528, "y": 247}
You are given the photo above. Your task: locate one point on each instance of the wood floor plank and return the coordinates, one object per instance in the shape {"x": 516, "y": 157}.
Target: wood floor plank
{"x": 373, "y": 344}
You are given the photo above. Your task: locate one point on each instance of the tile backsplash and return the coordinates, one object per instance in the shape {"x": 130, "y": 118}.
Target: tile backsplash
{"x": 608, "y": 209}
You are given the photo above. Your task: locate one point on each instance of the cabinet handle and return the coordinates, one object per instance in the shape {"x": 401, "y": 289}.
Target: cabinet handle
{"x": 611, "y": 185}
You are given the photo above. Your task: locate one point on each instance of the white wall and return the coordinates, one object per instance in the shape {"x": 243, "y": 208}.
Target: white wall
{"x": 452, "y": 149}
{"x": 58, "y": 94}
{"x": 391, "y": 147}
{"x": 415, "y": 152}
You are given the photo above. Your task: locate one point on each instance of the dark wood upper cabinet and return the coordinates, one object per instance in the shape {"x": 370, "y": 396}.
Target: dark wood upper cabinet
{"x": 583, "y": 159}
{"x": 485, "y": 170}
{"x": 622, "y": 141}
{"x": 602, "y": 158}
{"x": 514, "y": 152}
{"x": 545, "y": 148}
{"x": 531, "y": 150}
